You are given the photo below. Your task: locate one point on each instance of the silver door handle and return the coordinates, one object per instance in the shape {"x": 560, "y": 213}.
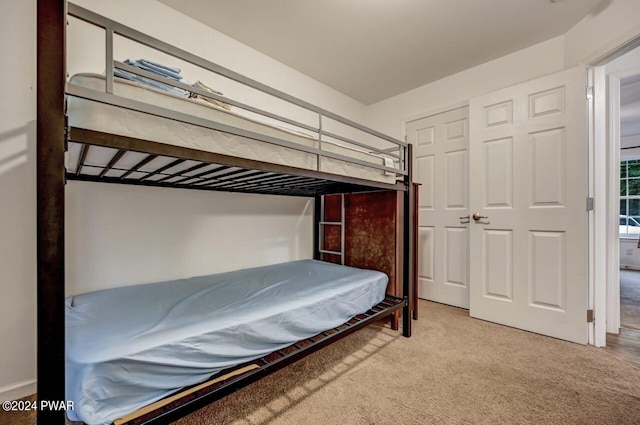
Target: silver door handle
{"x": 463, "y": 218}
{"x": 478, "y": 217}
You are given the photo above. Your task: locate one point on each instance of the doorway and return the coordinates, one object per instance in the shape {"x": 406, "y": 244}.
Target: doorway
{"x": 617, "y": 199}
{"x": 629, "y": 122}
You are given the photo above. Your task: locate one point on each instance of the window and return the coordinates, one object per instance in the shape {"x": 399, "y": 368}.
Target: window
{"x": 630, "y": 198}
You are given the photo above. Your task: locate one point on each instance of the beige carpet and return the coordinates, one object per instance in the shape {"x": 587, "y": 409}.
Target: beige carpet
{"x": 454, "y": 370}
{"x": 630, "y": 299}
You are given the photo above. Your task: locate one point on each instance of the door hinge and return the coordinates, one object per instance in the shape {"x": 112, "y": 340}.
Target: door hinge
{"x": 590, "y": 316}
{"x": 589, "y": 204}
{"x": 589, "y": 92}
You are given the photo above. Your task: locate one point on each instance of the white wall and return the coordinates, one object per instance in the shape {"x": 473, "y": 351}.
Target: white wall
{"x": 606, "y": 28}
{"x": 121, "y": 235}
{"x": 614, "y": 23}
{"x": 17, "y": 198}
{"x": 541, "y": 59}
{"x": 627, "y": 62}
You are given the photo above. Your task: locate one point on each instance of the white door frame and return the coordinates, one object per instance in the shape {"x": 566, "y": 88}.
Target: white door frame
{"x": 599, "y": 218}
{"x": 604, "y": 134}
{"x": 613, "y": 241}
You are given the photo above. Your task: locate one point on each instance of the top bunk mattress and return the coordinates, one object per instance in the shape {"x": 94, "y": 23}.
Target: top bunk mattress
{"x": 97, "y": 116}
{"x": 128, "y": 347}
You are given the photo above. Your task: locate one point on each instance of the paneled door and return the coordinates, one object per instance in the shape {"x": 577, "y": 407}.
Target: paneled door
{"x": 529, "y": 184}
{"x": 441, "y": 159}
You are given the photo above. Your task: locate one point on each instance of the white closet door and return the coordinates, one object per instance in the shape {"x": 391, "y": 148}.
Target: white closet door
{"x": 529, "y": 256}
{"x": 442, "y": 167}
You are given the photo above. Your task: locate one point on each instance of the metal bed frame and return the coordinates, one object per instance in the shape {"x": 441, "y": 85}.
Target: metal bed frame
{"x": 207, "y": 171}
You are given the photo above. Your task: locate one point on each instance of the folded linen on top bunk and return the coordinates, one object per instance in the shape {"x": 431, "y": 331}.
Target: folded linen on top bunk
{"x": 200, "y": 85}
{"x": 131, "y": 346}
{"x": 155, "y": 68}
{"x": 172, "y": 73}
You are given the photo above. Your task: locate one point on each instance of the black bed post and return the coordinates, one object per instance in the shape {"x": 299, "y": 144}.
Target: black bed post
{"x": 407, "y": 277}
{"x": 50, "y": 203}
{"x": 317, "y": 214}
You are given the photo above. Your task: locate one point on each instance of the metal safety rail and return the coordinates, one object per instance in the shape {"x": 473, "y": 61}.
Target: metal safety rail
{"x": 395, "y": 149}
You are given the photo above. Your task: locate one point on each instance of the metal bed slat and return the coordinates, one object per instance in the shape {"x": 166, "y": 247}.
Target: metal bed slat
{"x": 250, "y": 175}
{"x": 291, "y": 182}
{"x": 263, "y": 175}
{"x": 277, "y": 179}
{"x": 269, "y": 184}
{"x": 83, "y": 156}
{"x": 139, "y": 165}
{"x": 273, "y": 182}
{"x": 113, "y": 162}
{"x": 199, "y": 175}
{"x": 221, "y": 177}
{"x": 234, "y": 181}
{"x": 163, "y": 168}
{"x": 276, "y": 187}
{"x": 183, "y": 172}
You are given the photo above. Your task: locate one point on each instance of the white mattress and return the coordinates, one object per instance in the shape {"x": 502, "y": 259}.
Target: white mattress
{"x": 110, "y": 119}
{"x": 128, "y": 347}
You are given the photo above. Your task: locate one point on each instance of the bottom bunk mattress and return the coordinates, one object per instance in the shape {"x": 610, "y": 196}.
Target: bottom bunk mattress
{"x": 128, "y": 347}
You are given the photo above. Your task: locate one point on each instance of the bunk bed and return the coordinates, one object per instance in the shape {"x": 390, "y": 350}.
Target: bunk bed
{"x": 100, "y": 128}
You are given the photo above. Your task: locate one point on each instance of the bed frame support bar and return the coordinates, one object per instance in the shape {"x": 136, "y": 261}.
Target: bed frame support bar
{"x": 317, "y": 218}
{"x": 51, "y": 75}
{"x": 269, "y": 364}
{"x": 407, "y": 242}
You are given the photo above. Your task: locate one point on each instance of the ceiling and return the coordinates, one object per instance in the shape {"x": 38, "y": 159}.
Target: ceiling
{"x": 371, "y": 50}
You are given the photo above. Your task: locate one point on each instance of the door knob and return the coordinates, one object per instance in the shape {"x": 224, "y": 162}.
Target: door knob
{"x": 478, "y": 217}
{"x": 464, "y": 219}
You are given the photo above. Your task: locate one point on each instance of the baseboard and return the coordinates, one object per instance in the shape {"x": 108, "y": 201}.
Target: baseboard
{"x": 19, "y": 390}
{"x": 629, "y": 267}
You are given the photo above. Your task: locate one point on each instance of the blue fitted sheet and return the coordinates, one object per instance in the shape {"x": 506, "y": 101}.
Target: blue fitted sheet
{"x": 128, "y": 347}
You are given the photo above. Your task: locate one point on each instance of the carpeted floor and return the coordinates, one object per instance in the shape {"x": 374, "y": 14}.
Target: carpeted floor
{"x": 454, "y": 370}
{"x": 630, "y": 299}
